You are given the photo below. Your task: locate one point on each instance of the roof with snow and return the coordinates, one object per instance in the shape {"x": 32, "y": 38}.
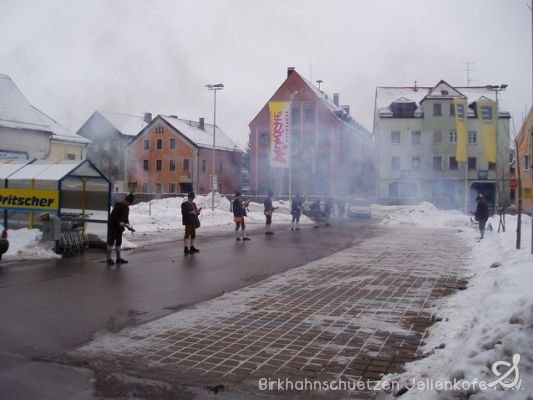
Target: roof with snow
{"x": 386, "y": 95}
{"x": 202, "y": 137}
{"x": 17, "y": 113}
{"x": 127, "y": 124}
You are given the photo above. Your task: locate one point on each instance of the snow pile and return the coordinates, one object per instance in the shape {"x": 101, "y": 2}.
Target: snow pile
{"x": 426, "y": 215}
{"x": 26, "y": 244}
{"x": 489, "y": 322}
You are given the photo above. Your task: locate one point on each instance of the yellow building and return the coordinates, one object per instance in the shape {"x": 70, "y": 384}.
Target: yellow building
{"x": 524, "y": 155}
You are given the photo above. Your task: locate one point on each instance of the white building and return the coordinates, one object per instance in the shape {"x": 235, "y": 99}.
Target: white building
{"x": 416, "y": 143}
{"x": 26, "y": 132}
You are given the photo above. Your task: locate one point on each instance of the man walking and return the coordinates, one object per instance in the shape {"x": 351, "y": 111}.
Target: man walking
{"x": 239, "y": 212}
{"x": 189, "y": 217}
{"x": 482, "y": 213}
{"x": 296, "y": 211}
{"x": 269, "y": 209}
{"x": 118, "y": 221}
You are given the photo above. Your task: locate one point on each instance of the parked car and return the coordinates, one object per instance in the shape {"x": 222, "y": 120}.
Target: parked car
{"x": 359, "y": 208}
{"x": 4, "y": 243}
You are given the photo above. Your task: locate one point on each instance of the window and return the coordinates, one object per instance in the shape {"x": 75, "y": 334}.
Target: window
{"x": 395, "y": 137}
{"x": 527, "y": 162}
{"x": 453, "y": 137}
{"x": 71, "y": 156}
{"x": 146, "y": 165}
{"x": 437, "y": 137}
{"x": 437, "y": 109}
{"x": 295, "y": 115}
{"x": 133, "y": 166}
{"x": 158, "y": 165}
{"x": 263, "y": 139}
{"x": 324, "y": 137}
{"x": 415, "y": 138}
{"x": 452, "y": 110}
{"x": 295, "y": 137}
{"x": 172, "y": 144}
{"x": 309, "y": 137}
{"x": 322, "y": 163}
{"x": 158, "y": 188}
{"x": 309, "y": 114}
{"x": 186, "y": 164}
{"x": 472, "y": 163}
{"x": 172, "y": 188}
{"x": 159, "y": 144}
{"x": 453, "y": 163}
{"x": 145, "y": 187}
{"x": 172, "y": 166}
{"x": 437, "y": 163}
{"x": 221, "y": 166}
{"x": 395, "y": 162}
{"x": 204, "y": 165}
{"x": 472, "y": 137}
{"x": 159, "y": 129}
{"x": 492, "y": 166}
{"x": 146, "y": 144}
{"x": 415, "y": 162}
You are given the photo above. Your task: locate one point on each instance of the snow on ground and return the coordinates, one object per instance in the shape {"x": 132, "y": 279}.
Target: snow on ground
{"x": 490, "y": 321}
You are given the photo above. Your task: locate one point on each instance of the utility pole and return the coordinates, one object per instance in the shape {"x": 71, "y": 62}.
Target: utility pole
{"x": 468, "y": 70}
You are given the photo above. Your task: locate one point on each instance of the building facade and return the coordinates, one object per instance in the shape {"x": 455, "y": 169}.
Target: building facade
{"x": 331, "y": 154}
{"x": 416, "y": 145}
{"x": 173, "y": 155}
{"x": 524, "y": 169}
{"x": 109, "y": 133}
{"x": 28, "y": 133}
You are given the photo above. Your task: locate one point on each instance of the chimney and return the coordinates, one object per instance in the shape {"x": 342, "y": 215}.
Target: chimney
{"x": 346, "y": 109}
{"x": 147, "y": 117}
{"x": 202, "y": 125}
{"x": 336, "y": 99}
{"x": 290, "y": 70}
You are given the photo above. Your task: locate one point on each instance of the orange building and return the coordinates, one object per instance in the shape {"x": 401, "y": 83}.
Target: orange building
{"x": 173, "y": 155}
{"x": 524, "y": 170}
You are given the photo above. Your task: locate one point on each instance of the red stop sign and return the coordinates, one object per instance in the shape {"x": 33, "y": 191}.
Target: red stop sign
{"x": 513, "y": 183}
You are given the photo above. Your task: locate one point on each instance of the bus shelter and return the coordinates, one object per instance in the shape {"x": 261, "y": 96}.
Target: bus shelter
{"x": 36, "y": 191}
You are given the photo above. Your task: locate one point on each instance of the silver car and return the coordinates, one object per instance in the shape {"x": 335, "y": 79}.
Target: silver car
{"x": 359, "y": 208}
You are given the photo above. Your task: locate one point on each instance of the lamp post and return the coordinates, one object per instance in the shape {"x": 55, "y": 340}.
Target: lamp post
{"x": 214, "y": 87}
{"x": 497, "y": 89}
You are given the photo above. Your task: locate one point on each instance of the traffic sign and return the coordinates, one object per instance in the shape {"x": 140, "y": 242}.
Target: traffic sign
{"x": 513, "y": 183}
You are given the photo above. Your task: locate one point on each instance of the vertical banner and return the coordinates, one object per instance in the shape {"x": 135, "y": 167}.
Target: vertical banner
{"x": 279, "y": 133}
{"x": 486, "y": 111}
{"x": 461, "y": 153}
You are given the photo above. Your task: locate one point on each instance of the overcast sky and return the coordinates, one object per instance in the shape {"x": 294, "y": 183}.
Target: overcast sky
{"x": 70, "y": 58}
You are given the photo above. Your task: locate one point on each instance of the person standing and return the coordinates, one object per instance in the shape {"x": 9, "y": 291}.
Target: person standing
{"x": 328, "y": 208}
{"x": 239, "y": 212}
{"x": 189, "y": 217}
{"x": 269, "y": 209}
{"x": 482, "y": 213}
{"x": 117, "y": 223}
{"x": 296, "y": 211}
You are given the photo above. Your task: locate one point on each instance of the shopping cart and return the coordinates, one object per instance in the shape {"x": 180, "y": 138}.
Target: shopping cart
{"x": 73, "y": 238}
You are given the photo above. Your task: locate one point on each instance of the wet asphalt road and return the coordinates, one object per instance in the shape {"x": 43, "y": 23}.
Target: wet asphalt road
{"x": 48, "y": 307}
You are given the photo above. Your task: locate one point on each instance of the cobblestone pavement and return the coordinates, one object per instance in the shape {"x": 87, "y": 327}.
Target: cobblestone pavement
{"x": 355, "y": 315}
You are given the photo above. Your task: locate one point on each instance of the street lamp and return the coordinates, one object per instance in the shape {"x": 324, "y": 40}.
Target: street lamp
{"x": 214, "y": 87}
{"x": 497, "y": 89}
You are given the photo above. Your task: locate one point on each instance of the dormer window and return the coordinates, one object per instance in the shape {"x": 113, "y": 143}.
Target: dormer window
{"x": 403, "y": 108}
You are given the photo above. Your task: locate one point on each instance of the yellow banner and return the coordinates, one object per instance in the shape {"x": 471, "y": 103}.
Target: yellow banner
{"x": 29, "y": 199}
{"x": 461, "y": 152}
{"x": 486, "y": 113}
{"x": 279, "y": 133}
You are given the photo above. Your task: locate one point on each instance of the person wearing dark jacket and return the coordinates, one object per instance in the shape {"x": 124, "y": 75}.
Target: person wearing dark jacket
{"x": 296, "y": 211}
{"x": 482, "y": 213}
{"x": 118, "y": 221}
{"x": 189, "y": 217}
{"x": 239, "y": 212}
{"x": 269, "y": 209}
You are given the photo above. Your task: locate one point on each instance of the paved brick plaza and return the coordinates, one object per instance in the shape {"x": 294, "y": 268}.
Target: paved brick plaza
{"x": 355, "y": 315}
